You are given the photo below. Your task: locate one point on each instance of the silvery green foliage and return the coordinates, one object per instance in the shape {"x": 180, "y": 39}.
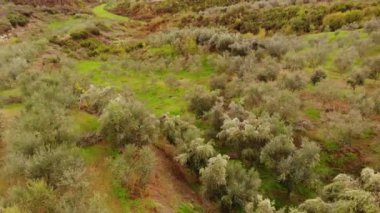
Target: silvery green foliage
{"x": 95, "y": 99}
{"x": 277, "y": 150}
{"x": 15, "y": 59}
{"x": 283, "y": 102}
{"x": 260, "y": 205}
{"x": 242, "y": 185}
{"x": 371, "y": 181}
{"x": 345, "y": 59}
{"x": 237, "y": 111}
{"x": 253, "y": 132}
{"x": 267, "y": 70}
{"x": 134, "y": 167}
{"x": 201, "y": 101}
{"x": 178, "y": 131}
{"x": 299, "y": 166}
{"x": 255, "y": 94}
{"x": 293, "y": 81}
{"x": 36, "y": 196}
{"x": 278, "y": 45}
{"x": 214, "y": 176}
{"x": 347, "y": 194}
{"x": 346, "y": 127}
{"x": 195, "y": 154}
{"x": 216, "y": 117}
{"x": 127, "y": 122}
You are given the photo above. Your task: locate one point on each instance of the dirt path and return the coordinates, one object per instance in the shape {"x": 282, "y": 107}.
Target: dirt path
{"x": 168, "y": 187}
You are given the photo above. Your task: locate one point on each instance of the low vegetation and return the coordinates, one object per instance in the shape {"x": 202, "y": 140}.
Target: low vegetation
{"x": 190, "y": 106}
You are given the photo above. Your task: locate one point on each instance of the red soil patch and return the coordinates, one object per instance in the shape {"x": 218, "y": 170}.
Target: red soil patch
{"x": 169, "y": 186}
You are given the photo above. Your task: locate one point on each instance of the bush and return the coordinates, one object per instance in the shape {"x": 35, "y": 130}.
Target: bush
{"x": 94, "y": 100}
{"x": 345, "y": 60}
{"x": 372, "y": 25}
{"x": 293, "y": 81}
{"x": 177, "y": 131}
{"x": 213, "y": 177}
{"x": 83, "y": 33}
{"x": 127, "y": 122}
{"x": 267, "y": 70}
{"x": 374, "y": 67}
{"x": 5, "y": 26}
{"x": 195, "y": 154}
{"x": 277, "y": 45}
{"x": 357, "y": 78}
{"x": 242, "y": 186}
{"x": 344, "y": 128}
{"x": 277, "y": 150}
{"x": 36, "y": 196}
{"x": 285, "y": 103}
{"x": 17, "y": 19}
{"x": 318, "y": 76}
{"x": 133, "y": 168}
{"x": 346, "y": 193}
{"x": 201, "y": 101}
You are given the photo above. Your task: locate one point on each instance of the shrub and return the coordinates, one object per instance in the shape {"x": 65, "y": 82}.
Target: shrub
{"x": 372, "y": 25}
{"x": 357, "y": 78}
{"x": 201, "y": 101}
{"x": 219, "y": 81}
{"x": 213, "y": 176}
{"x": 177, "y": 131}
{"x": 221, "y": 42}
{"x": 345, "y": 60}
{"x": 95, "y": 99}
{"x": 277, "y": 150}
{"x": 5, "y": 26}
{"x": 277, "y": 45}
{"x": 83, "y": 33}
{"x": 285, "y": 103}
{"x": 334, "y": 21}
{"x": 366, "y": 104}
{"x": 318, "y": 76}
{"x": 127, "y": 122}
{"x": 267, "y": 70}
{"x": 344, "y": 128}
{"x": 134, "y": 167}
{"x": 242, "y": 186}
{"x": 17, "y": 19}
{"x": 374, "y": 67}
{"x": 293, "y": 81}
{"x": 216, "y": 117}
{"x": 255, "y": 93}
{"x": 299, "y": 167}
{"x": 294, "y": 61}
{"x": 195, "y": 154}
{"x": 36, "y": 196}
{"x": 344, "y": 194}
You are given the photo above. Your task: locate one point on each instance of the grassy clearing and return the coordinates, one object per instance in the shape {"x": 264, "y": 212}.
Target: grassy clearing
{"x": 101, "y": 12}
{"x": 152, "y": 88}
{"x": 84, "y": 122}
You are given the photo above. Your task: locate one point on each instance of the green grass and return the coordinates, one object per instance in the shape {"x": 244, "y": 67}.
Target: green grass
{"x": 149, "y": 87}
{"x": 92, "y": 154}
{"x": 188, "y": 208}
{"x": 84, "y": 122}
{"x": 101, "y": 12}
{"x": 313, "y": 113}
{"x": 15, "y": 92}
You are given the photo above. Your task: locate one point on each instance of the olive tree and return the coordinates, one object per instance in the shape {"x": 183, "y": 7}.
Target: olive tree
{"x": 242, "y": 186}
{"x": 95, "y": 99}
{"x": 201, "y": 101}
{"x": 134, "y": 167}
{"x": 195, "y": 154}
{"x": 213, "y": 176}
{"x": 178, "y": 131}
{"x": 347, "y": 194}
{"x": 127, "y": 122}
